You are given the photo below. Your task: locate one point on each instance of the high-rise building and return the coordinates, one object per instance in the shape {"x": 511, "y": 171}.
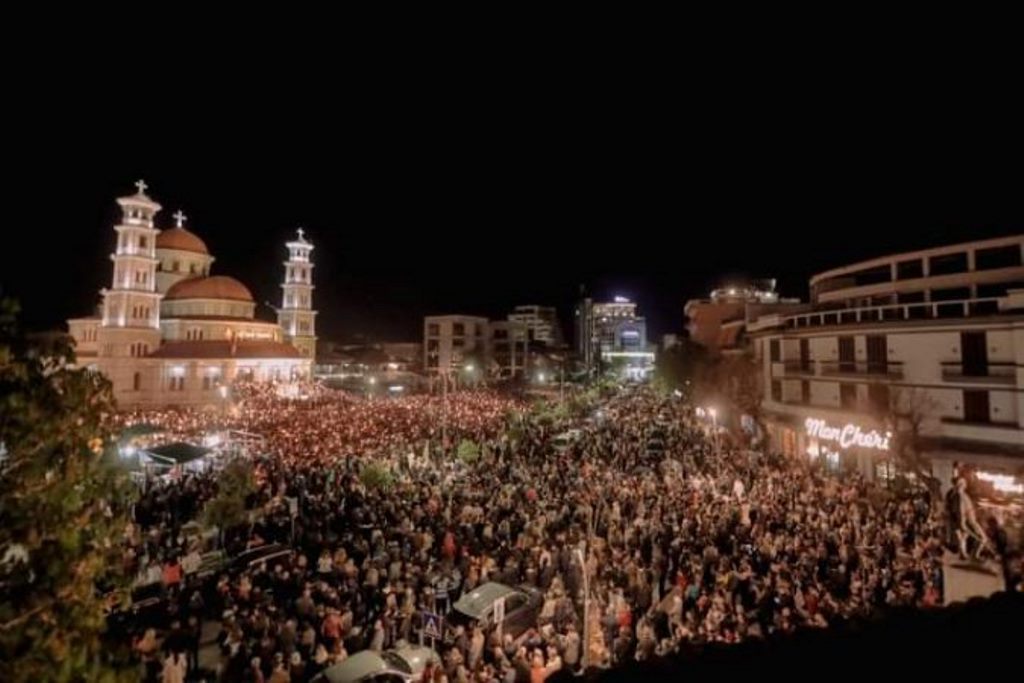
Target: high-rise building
{"x": 611, "y": 336}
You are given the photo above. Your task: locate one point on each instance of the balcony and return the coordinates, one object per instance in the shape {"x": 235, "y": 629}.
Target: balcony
{"x": 795, "y": 368}
{"x": 860, "y": 368}
{"x": 930, "y": 310}
{"x": 992, "y": 373}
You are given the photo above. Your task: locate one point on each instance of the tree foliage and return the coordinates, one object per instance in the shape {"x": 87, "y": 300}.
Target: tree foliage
{"x": 468, "y": 451}
{"x": 376, "y": 476}
{"x": 227, "y": 508}
{"x": 681, "y": 367}
{"x": 905, "y": 414}
{"x": 62, "y": 508}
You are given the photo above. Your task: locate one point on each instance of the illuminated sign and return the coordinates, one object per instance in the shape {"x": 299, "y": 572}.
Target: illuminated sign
{"x": 621, "y": 300}
{"x": 848, "y": 435}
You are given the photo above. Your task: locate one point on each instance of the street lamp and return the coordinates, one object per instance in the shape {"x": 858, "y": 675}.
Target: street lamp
{"x": 713, "y": 412}
{"x": 586, "y": 608}
{"x": 540, "y": 377}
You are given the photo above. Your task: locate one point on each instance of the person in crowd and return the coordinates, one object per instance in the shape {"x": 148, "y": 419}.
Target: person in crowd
{"x": 677, "y": 547}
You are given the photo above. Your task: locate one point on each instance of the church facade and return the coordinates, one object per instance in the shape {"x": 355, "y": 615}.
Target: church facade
{"x": 170, "y": 333}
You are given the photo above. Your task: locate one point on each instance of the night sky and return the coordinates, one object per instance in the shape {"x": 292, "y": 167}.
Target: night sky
{"x": 451, "y": 200}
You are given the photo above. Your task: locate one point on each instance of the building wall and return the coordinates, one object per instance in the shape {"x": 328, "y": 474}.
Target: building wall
{"x": 443, "y": 347}
{"x": 919, "y": 352}
{"x": 177, "y": 265}
{"x": 189, "y": 382}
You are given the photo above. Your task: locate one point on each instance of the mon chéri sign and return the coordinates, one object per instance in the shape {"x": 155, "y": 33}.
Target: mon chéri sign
{"x": 847, "y": 436}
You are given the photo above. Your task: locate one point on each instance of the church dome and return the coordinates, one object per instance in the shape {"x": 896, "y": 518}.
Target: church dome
{"x": 215, "y": 287}
{"x": 181, "y": 239}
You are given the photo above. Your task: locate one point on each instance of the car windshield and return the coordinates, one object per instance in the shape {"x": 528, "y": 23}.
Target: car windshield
{"x": 396, "y": 662}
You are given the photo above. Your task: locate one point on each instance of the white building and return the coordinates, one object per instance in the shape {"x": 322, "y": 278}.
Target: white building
{"x": 937, "y": 334}
{"x": 296, "y": 315}
{"x": 169, "y": 333}
{"x": 540, "y": 321}
{"x": 447, "y": 339}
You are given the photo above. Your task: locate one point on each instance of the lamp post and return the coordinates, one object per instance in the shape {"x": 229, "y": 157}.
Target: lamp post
{"x": 586, "y": 608}
{"x": 713, "y": 412}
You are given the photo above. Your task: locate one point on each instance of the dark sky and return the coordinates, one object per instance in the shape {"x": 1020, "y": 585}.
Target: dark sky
{"x": 429, "y": 195}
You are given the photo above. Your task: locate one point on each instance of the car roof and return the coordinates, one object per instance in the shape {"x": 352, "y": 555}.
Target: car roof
{"x": 355, "y": 667}
{"x": 479, "y": 600}
{"x": 417, "y": 657}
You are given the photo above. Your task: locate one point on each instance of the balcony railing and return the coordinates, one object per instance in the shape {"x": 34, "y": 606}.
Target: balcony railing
{"x": 797, "y": 367}
{"x": 993, "y": 373}
{"x": 931, "y": 310}
{"x": 887, "y": 369}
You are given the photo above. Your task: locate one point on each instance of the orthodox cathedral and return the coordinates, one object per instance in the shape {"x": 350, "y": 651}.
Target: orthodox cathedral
{"x": 170, "y": 333}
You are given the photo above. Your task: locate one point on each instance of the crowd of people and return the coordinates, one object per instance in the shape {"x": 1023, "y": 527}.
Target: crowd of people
{"x": 640, "y": 535}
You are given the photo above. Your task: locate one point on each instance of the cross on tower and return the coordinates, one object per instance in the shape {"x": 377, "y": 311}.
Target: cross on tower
{"x": 301, "y": 233}
{"x": 141, "y": 184}
{"x": 179, "y": 218}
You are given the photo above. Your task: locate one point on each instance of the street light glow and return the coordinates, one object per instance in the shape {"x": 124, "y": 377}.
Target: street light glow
{"x": 470, "y": 367}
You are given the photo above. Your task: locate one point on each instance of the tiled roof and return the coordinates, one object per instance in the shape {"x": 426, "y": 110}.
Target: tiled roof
{"x": 223, "y": 349}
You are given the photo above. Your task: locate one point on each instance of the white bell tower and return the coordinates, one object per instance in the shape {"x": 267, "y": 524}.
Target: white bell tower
{"x": 296, "y": 315}
{"x": 131, "y": 306}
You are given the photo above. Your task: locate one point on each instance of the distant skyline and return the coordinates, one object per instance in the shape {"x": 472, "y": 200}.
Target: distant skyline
{"x": 439, "y": 209}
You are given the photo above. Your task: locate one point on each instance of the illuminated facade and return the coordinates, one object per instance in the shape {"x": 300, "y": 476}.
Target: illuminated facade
{"x": 296, "y": 315}
{"x": 935, "y": 335}
{"x": 611, "y": 336}
{"x": 168, "y": 332}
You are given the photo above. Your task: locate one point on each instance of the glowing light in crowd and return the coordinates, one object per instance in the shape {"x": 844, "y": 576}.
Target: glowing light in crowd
{"x": 1001, "y": 482}
{"x": 847, "y": 435}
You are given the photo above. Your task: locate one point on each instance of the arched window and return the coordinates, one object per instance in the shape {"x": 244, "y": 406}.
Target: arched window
{"x": 137, "y": 381}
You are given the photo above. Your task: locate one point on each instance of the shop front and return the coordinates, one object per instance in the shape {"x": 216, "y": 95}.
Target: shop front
{"x": 836, "y": 444}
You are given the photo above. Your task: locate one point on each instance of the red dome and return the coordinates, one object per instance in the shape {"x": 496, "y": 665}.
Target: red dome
{"x": 216, "y": 287}
{"x": 181, "y": 239}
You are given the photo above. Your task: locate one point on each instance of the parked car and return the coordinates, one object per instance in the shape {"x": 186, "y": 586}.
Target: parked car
{"x": 522, "y": 607}
{"x": 402, "y": 665}
{"x": 268, "y": 553}
{"x": 566, "y": 439}
{"x": 147, "y": 607}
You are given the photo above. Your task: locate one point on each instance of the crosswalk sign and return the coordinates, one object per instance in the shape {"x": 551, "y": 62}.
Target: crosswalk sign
{"x": 432, "y": 625}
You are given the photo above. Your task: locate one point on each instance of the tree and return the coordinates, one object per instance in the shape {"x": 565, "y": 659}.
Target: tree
{"x": 468, "y": 452}
{"x": 227, "y": 508}
{"x": 679, "y": 367}
{"x": 376, "y": 476}
{"x": 62, "y": 507}
{"x": 733, "y": 380}
{"x": 905, "y": 412}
